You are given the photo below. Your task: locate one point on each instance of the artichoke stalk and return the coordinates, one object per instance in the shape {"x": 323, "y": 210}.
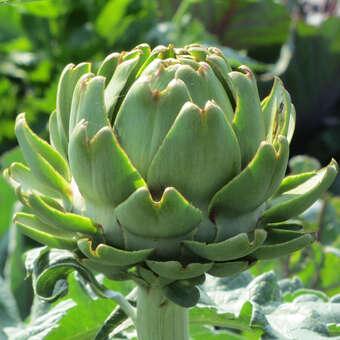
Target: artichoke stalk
{"x": 162, "y": 167}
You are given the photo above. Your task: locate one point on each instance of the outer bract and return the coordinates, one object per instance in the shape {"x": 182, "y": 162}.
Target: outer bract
{"x": 164, "y": 166}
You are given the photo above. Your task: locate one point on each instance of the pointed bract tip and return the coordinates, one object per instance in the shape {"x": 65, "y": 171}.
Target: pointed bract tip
{"x": 167, "y": 189}
{"x": 74, "y": 67}
{"x": 215, "y": 50}
{"x": 99, "y": 134}
{"x": 247, "y": 71}
{"x": 203, "y": 68}
{"x": 190, "y": 105}
{"x": 210, "y": 104}
{"x": 175, "y": 82}
{"x": 264, "y": 143}
{"x": 334, "y": 164}
{"x": 282, "y": 139}
{"x": 20, "y": 117}
{"x": 83, "y": 123}
{"x": 85, "y": 79}
{"x": 6, "y": 174}
{"x": 141, "y": 46}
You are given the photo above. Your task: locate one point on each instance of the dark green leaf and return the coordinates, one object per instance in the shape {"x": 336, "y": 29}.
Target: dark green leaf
{"x": 182, "y": 293}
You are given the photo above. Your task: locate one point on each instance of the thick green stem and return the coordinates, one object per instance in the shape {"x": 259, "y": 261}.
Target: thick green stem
{"x": 158, "y": 318}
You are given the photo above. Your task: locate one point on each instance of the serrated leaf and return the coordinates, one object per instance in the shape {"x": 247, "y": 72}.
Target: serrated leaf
{"x": 42, "y": 326}
{"x": 211, "y": 316}
{"x": 307, "y": 316}
{"x": 85, "y": 319}
{"x": 9, "y": 314}
{"x": 14, "y": 271}
{"x": 50, "y": 269}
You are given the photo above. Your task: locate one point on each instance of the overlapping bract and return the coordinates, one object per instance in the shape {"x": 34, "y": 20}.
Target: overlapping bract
{"x": 167, "y": 160}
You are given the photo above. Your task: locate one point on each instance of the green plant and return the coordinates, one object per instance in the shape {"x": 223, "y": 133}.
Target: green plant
{"x": 163, "y": 167}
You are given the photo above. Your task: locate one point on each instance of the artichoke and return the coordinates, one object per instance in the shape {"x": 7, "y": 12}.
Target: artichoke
{"x": 164, "y": 166}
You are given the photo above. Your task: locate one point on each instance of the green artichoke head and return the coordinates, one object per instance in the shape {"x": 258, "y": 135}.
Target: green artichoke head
{"x": 165, "y": 161}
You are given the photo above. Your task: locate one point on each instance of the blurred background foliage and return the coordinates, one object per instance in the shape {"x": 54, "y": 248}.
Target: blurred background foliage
{"x": 297, "y": 40}
{"x": 294, "y": 39}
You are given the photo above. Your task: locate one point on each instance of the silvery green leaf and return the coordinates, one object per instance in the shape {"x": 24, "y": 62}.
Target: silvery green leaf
{"x": 41, "y": 326}
{"x": 9, "y": 314}
{"x": 309, "y": 315}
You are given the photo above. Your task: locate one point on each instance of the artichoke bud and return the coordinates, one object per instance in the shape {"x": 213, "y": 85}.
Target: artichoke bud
{"x": 165, "y": 160}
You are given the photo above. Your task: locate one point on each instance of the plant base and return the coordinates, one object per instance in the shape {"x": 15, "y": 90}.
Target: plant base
{"x": 158, "y": 318}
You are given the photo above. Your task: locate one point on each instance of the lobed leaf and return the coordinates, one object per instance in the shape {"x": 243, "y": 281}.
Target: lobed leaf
{"x": 172, "y": 216}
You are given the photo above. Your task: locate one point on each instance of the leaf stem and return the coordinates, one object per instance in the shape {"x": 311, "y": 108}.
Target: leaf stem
{"x": 123, "y": 303}
{"x": 105, "y": 293}
{"x": 117, "y": 317}
{"x": 321, "y": 217}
